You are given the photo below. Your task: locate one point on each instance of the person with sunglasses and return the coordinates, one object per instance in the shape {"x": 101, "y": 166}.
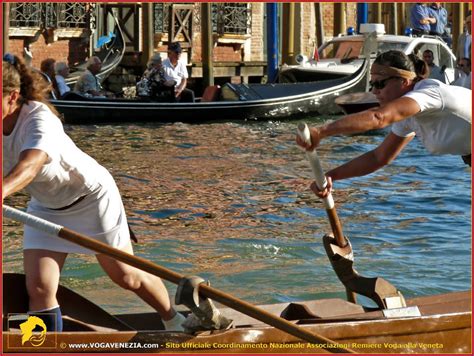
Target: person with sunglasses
{"x": 465, "y": 75}
{"x": 69, "y": 188}
{"x": 438, "y": 114}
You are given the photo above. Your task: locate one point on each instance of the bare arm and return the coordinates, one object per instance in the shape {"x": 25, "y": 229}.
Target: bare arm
{"x": 24, "y": 172}
{"x": 372, "y": 119}
{"x": 367, "y": 163}
{"x": 373, "y": 160}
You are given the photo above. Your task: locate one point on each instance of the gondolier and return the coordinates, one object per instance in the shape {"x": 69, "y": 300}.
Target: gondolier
{"x": 438, "y": 114}
{"x": 69, "y": 187}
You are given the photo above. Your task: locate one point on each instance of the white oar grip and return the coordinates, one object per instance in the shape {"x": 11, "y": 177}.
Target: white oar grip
{"x": 31, "y": 220}
{"x": 312, "y": 156}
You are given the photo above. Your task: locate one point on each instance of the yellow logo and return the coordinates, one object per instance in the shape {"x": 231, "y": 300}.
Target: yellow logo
{"x": 27, "y": 331}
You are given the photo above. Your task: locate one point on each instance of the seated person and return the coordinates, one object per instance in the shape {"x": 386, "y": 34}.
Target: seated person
{"x": 88, "y": 84}
{"x": 62, "y": 72}
{"x": 47, "y": 70}
{"x": 153, "y": 85}
{"x": 435, "y": 71}
{"x": 176, "y": 70}
{"x": 464, "y": 73}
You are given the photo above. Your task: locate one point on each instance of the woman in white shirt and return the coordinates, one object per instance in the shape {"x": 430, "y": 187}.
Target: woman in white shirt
{"x": 438, "y": 114}
{"x": 62, "y": 72}
{"x": 69, "y": 188}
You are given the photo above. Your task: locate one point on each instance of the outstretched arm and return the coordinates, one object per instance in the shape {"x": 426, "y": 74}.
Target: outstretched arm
{"x": 372, "y": 119}
{"x": 367, "y": 163}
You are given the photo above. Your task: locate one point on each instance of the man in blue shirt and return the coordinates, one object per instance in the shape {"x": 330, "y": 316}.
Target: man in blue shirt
{"x": 437, "y": 11}
{"x": 421, "y": 19}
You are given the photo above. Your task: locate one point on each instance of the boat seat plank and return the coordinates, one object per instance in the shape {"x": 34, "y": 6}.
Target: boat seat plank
{"x": 326, "y": 308}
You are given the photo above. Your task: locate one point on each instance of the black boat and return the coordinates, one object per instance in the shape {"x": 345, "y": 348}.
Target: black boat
{"x": 231, "y": 102}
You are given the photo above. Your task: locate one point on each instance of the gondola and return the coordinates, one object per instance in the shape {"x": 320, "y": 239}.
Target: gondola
{"x": 231, "y": 102}
{"x": 443, "y": 325}
{"x": 110, "y": 54}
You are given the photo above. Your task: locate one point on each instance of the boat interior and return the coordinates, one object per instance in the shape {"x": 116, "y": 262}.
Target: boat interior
{"x": 80, "y": 314}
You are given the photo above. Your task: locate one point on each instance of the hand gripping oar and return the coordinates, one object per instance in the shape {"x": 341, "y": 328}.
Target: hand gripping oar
{"x": 320, "y": 178}
{"x": 339, "y": 249}
{"x": 162, "y": 272}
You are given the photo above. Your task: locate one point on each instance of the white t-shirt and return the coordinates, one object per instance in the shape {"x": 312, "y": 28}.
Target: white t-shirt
{"x": 444, "y": 122}
{"x": 62, "y": 86}
{"x": 68, "y": 173}
{"x": 175, "y": 73}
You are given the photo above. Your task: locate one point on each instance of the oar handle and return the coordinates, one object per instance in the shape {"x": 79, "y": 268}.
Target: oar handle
{"x": 321, "y": 181}
{"x": 152, "y": 268}
{"x": 319, "y": 176}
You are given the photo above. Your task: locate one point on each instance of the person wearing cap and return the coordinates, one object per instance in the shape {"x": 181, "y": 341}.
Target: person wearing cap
{"x": 438, "y": 114}
{"x": 176, "y": 70}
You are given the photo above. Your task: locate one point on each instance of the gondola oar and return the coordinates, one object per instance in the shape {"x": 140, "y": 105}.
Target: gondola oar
{"x": 339, "y": 249}
{"x": 171, "y": 276}
{"x": 321, "y": 182}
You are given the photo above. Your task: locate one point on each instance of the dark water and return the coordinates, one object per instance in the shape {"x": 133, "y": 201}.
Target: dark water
{"x": 230, "y": 202}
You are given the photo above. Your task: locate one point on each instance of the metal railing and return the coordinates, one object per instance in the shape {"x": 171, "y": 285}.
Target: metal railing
{"x": 51, "y": 15}
{"x": 227, "y": 18}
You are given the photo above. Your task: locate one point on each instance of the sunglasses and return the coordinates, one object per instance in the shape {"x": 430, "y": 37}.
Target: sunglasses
{"x": 380, "y": 84}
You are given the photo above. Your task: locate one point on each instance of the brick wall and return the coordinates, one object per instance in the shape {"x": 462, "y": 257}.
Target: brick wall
{"x": 72, "y": 51}
{"x": 350, "y": 10}
{"x": 257, "y": 41}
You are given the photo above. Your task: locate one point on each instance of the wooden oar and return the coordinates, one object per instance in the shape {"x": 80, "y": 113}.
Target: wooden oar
{"x": 164, "y": 273}
{"x": 321, "y": 182}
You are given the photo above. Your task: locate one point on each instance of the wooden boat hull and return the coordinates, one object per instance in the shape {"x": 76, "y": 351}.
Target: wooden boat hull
{"x": 441, "y": 334}
{"x": 255, "y": 101}
{"x": 443, "y": 326}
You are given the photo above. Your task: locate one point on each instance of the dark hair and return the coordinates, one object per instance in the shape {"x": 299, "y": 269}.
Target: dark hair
{"x": 175, "y": 47}
{"x": 468, "y": 60}
{"x": 428, "y": 51}
{"x": 30, "y": 84}
{"x": 400, "y": 60}
{"x": 47, "y": 65}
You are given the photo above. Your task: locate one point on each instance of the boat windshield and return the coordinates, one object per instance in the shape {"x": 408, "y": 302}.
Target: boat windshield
{"x": 351, "y": 49}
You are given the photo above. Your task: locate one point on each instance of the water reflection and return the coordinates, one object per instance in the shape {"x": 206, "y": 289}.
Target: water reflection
{"x": 230, "y": 202}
